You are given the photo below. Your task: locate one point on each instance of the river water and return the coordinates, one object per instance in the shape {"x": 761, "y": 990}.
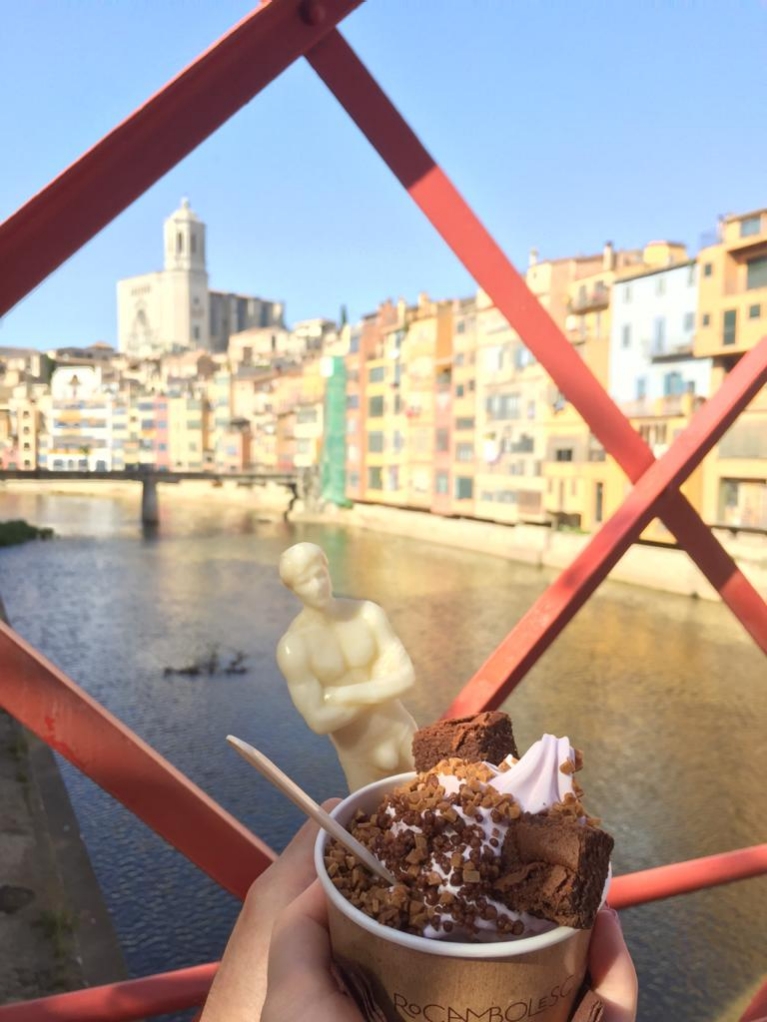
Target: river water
{"x": 666, "y": 695}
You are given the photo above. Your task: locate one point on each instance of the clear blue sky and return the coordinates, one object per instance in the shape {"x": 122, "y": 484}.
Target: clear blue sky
{"x": 563, "y": 123}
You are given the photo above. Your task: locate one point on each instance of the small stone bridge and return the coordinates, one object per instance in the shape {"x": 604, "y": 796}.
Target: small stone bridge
{"x": 150, "y": 477}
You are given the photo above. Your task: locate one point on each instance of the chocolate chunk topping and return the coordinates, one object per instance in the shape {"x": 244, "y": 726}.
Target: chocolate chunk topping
{"x": 484, "y": 737}
{"x": 555, "y": 868}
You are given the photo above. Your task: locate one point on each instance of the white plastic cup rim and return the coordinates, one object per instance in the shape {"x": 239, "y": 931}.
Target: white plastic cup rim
{"x": 367, "y": 799}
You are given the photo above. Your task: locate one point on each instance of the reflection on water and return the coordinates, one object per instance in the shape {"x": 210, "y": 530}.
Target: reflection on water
{"x": 665, "y": 694}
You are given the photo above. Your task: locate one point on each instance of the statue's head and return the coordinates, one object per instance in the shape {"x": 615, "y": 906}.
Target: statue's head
{"x": 304, "y": 570}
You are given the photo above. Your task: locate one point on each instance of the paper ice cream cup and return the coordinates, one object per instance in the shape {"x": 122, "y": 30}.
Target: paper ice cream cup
{"x": 400, "y": 977}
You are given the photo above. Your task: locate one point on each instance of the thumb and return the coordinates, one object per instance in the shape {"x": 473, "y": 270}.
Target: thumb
{"x": 613, "y": 977}
{"x": 302, "y": 983}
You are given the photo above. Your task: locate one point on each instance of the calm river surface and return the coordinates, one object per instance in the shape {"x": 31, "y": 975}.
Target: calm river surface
{"x": 666, "y": 695}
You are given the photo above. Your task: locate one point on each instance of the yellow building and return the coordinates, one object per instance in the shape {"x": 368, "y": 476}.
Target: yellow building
{"x": 550, "y": 280}
{"x": 732, "y": 289}
{"x": 253, "y": 399}
{"x": 379, "y": 398}
{"x": 660, "y": 425}
{"x": 309, "y": 416}
{"x": 582, "y": 486}
{"x": 428, "y": 342}
{"x": 512, "y": 393}
{"x": 732, "y": 318}
{"x": 385, "y": 413}
{"x": 383, "y": 405}
{"x": 287, "y": 391}
{"x": 185, "y": 434}
{"x": 735, "y": 476}
{"x": 456, "y": 439}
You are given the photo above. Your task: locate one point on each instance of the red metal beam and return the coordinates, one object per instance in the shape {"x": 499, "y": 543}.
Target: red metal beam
{"x": 534, "y": 632}
{"x": 49, "y": 703}
{"x": 135, "y": 999}
{"x": 385, "y": 128}
{"x": 75, "y": 206}
{"x": 757, "y": 1009}
{"x": 126, "y": 1001}
{"x": 682, "y": 877}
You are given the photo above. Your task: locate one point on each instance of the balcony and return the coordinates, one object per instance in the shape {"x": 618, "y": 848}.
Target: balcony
{"x": 669, "y": 406}
{"x": 590, "y": 301}
{"x": 668, "y": 349}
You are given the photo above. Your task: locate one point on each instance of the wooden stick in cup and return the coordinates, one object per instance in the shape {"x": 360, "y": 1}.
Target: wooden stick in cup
{"x": 307, "y": 805}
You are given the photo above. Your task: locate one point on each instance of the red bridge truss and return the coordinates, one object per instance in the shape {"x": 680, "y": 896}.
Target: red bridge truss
{"x": 57, "y": 221}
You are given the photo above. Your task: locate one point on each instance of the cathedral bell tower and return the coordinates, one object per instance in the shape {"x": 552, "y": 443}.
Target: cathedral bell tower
{"x": 185, "y": 282}
{"x": 184, "y": 240}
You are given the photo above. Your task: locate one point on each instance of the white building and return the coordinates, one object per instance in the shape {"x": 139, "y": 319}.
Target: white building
{"x": 86, "y": 426}
{"x": 651, "y": 338}
{"x": 21, "y": 365}
{"x": 310, "y": 336}
{"x": 173, "y": 310}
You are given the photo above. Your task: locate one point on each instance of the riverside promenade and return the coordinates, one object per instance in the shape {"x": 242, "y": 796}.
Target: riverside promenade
{"x": 55, "y": 931}
{"x": 667, "y": 569}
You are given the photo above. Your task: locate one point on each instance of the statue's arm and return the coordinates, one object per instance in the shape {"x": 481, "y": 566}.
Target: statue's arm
{"x": 308, "y": 695}
{"x": 392, "y": 673}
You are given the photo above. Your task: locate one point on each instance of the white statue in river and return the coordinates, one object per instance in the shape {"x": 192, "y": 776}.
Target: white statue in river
{"x": 345, "y": 670}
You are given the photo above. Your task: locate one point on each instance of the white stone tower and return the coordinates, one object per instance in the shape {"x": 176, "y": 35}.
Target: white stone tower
{"x": 184, "y": 240}
{"x": 185, "y": 284}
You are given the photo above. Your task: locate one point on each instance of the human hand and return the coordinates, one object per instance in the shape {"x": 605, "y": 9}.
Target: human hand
{"x": 239, "y": 989}
{"x": 302, "y": 981}
{"x": 613, "y": 977}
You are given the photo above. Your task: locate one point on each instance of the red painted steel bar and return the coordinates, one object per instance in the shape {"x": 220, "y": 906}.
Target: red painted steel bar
{"x": 682, "y": 877}
{"x": 120, "y": 1002}
{"x": 82, "y": 200}
{"x": 385, "y": 128}
{"x": 77, "y": 204}
{"x": 534, "y": 632}
{"x": 49, "y": 703}
{"x": 134, "y": 999}
{"x": 757, "y": 1009}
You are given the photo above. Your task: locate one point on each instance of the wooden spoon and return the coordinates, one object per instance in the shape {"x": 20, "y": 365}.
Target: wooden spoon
{"x": 307, "y": 805}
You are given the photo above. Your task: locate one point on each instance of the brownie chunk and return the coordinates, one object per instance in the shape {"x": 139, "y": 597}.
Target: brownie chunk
{"x": 486, "y": 736}
{"x": 555, "y": 868}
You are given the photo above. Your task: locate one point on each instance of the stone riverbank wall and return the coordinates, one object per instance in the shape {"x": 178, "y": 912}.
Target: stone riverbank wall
{"x": 654, "y": 567}
{"x": 55, "y": 931}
